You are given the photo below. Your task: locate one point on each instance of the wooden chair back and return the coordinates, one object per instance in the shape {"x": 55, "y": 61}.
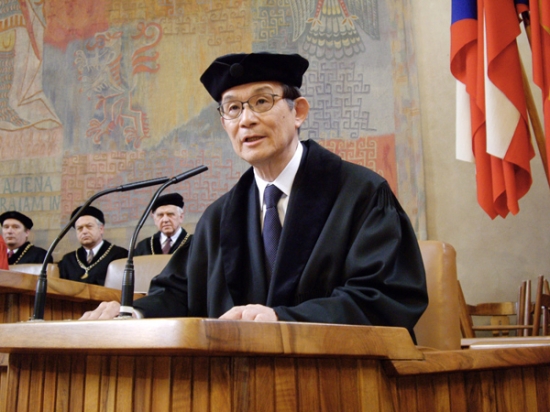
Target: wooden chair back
{"x": 541, "y": 315}
{"x": 52, "y": 271}
{"x": 145, "y": 268}
{"x": 439, "y": 325}
{"x": 500, "y": 314}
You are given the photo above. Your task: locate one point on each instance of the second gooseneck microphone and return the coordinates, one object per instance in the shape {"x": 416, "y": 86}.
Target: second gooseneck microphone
{"x": 127, "y": 295}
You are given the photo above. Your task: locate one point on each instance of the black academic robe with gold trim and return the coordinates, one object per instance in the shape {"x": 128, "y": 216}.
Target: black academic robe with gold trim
{"x": 70, "y": 269}
{"x": 144, "y": 247}
{"x": 347, "y": 246}
{"x": 29, "y": 253}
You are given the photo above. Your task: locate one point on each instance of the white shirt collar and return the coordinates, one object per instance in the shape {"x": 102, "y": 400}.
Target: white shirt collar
{"x": 174, "y": 237}
{"x": 95, "y": 249}
{"x": 285, "y": 179}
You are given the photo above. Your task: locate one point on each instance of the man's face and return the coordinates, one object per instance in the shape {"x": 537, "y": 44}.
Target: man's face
{"x": 15, "y": 234}
{"x": 89, "y": 231}
{"x": 168, "y": 219}
{"x": 265, "y": 140}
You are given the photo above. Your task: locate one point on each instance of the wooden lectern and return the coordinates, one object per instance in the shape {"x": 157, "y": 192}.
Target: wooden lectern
{"x": 65, "y": 299}
{"x": 217, "y": 366}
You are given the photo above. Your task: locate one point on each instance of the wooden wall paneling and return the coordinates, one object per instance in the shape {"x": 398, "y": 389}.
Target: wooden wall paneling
{"x": 220, "y": 384}
{"x": 160, "y": 396}
{"x": 201, "y": 384}
{"x": 543, "y": 388}
{"x": 109, "y": 375}
{"x": 125, "y": 384}
{"x": 243, "y": 384}
{"x": 92, "y": 388}
{"x": 350, "y": 390}
{"x": 530, "y": 388}
{"x": 480, "y": 390}
{"x": 457, "y": 392}
{"x": 24, "y": 387}
{"x": 182, "y": 378}
{"x": 329, "y": 384}
{"x": 63, "y": 393}
{"x": 376, "y": 392}
{"x": 36, "y": 390}
{"x": 77, "y": 381}
{"x": 264, "y": 385}
{"x": 50, "y": 384}
{"x": 143, "y": 386}
{"x": 286, "y": 390}
{"x": 510, "y": 394}
{"x": 25, "y": 305}
{"x": 433, "y": 393}
{"x": 3, "y": 381}
{"x": 406, "y": 395}
{"x": 13, "y": 308}
{"x": 13, "y": 383}
{"x": 308, "y": 385}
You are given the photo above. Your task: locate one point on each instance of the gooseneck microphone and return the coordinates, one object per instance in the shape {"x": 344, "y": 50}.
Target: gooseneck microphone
{"x": 42, "y": 284}
{"x": 127, "y": 294}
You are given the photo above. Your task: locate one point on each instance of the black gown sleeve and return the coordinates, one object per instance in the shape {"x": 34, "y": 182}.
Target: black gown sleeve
{"x": 168, "y": 290}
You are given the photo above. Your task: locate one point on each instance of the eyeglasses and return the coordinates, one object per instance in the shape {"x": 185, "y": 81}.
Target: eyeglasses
{"x": 258, "y": 103}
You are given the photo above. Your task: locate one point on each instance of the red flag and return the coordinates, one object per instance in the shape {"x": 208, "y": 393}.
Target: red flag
{"x": 490, "y": 68}
{"x": 3, "y": 254}
{"x": 540, "y": 45}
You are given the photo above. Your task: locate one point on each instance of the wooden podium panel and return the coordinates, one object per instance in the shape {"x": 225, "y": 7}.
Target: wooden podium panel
{"x": 199, "y": 365}
{"x": 211, "y": 365}
{"x": 65, "y": 299}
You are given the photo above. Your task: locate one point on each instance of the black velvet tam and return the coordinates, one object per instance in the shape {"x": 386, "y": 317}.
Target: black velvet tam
{"x": 236, "y": 69}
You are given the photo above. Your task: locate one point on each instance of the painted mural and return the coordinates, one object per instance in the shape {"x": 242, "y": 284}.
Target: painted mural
{"x": 97, "y": 93}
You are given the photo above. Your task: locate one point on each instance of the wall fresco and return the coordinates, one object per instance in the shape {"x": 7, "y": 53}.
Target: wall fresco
{"x": 102, "y": 93}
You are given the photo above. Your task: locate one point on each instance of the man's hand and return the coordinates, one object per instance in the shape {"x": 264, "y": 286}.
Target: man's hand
{"x": 258, "y": 313}
{"x": 105, "y": 310}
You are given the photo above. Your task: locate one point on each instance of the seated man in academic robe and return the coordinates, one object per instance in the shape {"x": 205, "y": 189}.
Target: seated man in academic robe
{"x": 89, "y": 262}
{"x": 16, "y": 229}
{"x": 167, "y": 213}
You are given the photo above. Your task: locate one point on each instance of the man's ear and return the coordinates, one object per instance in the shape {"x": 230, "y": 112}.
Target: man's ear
{"x": 301, "y": 105}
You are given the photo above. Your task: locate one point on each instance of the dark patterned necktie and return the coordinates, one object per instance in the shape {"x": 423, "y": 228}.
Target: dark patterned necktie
{"x": 10, "y": 253}
{"x": 90, "y": 257}
{"x": 272, "y": 225}
{"x": 166, "y": 246}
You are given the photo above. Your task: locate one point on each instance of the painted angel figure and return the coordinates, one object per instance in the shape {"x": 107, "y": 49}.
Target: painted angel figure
{"x": 330, "y": 26}
{"x": 22, "y": 100}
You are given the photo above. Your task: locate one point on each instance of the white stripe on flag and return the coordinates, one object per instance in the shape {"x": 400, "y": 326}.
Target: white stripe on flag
{"x": 463, "y": 129}
{"x": 501, "y": 115}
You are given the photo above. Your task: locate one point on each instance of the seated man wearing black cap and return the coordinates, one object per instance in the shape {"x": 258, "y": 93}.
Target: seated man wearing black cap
{"x": 167, "y": 212}
{"x": 89, "y": 263}
{"x": 16, "y": 228}
{"x": 328, "y": 243}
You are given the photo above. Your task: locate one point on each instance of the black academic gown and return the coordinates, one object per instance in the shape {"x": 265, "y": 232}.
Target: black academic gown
{"x": 70, "y": 269}
{"x": 346, "y": 243}
{"x": 144, "y": 247}
{"x": 28, "y": 253}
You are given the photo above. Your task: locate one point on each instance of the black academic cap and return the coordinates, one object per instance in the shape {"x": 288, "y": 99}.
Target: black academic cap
{"x": 170, "y": 199}
{"x": 90, "y": 211}
{"x": 235, "y": 69}
{"x": 13, "y": 214}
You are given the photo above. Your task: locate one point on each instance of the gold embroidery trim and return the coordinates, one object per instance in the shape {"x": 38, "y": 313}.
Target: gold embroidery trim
{"x": 183, "y": 242}
{"x": 23, "y": 253}
{"x": 88, "y": 268}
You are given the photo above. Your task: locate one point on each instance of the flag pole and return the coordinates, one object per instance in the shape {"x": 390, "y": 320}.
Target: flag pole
{"x": 531, "y": 107}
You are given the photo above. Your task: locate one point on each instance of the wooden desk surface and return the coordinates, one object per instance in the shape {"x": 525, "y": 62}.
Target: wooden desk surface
{"x": 24, "y": 283}
{"x": 208, "y": 337}
{"x": 207, "y": 365}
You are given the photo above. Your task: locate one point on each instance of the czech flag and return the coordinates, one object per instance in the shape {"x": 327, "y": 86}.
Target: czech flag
{"x": 540, "y": 45}
{"x": 492, "y": 124}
